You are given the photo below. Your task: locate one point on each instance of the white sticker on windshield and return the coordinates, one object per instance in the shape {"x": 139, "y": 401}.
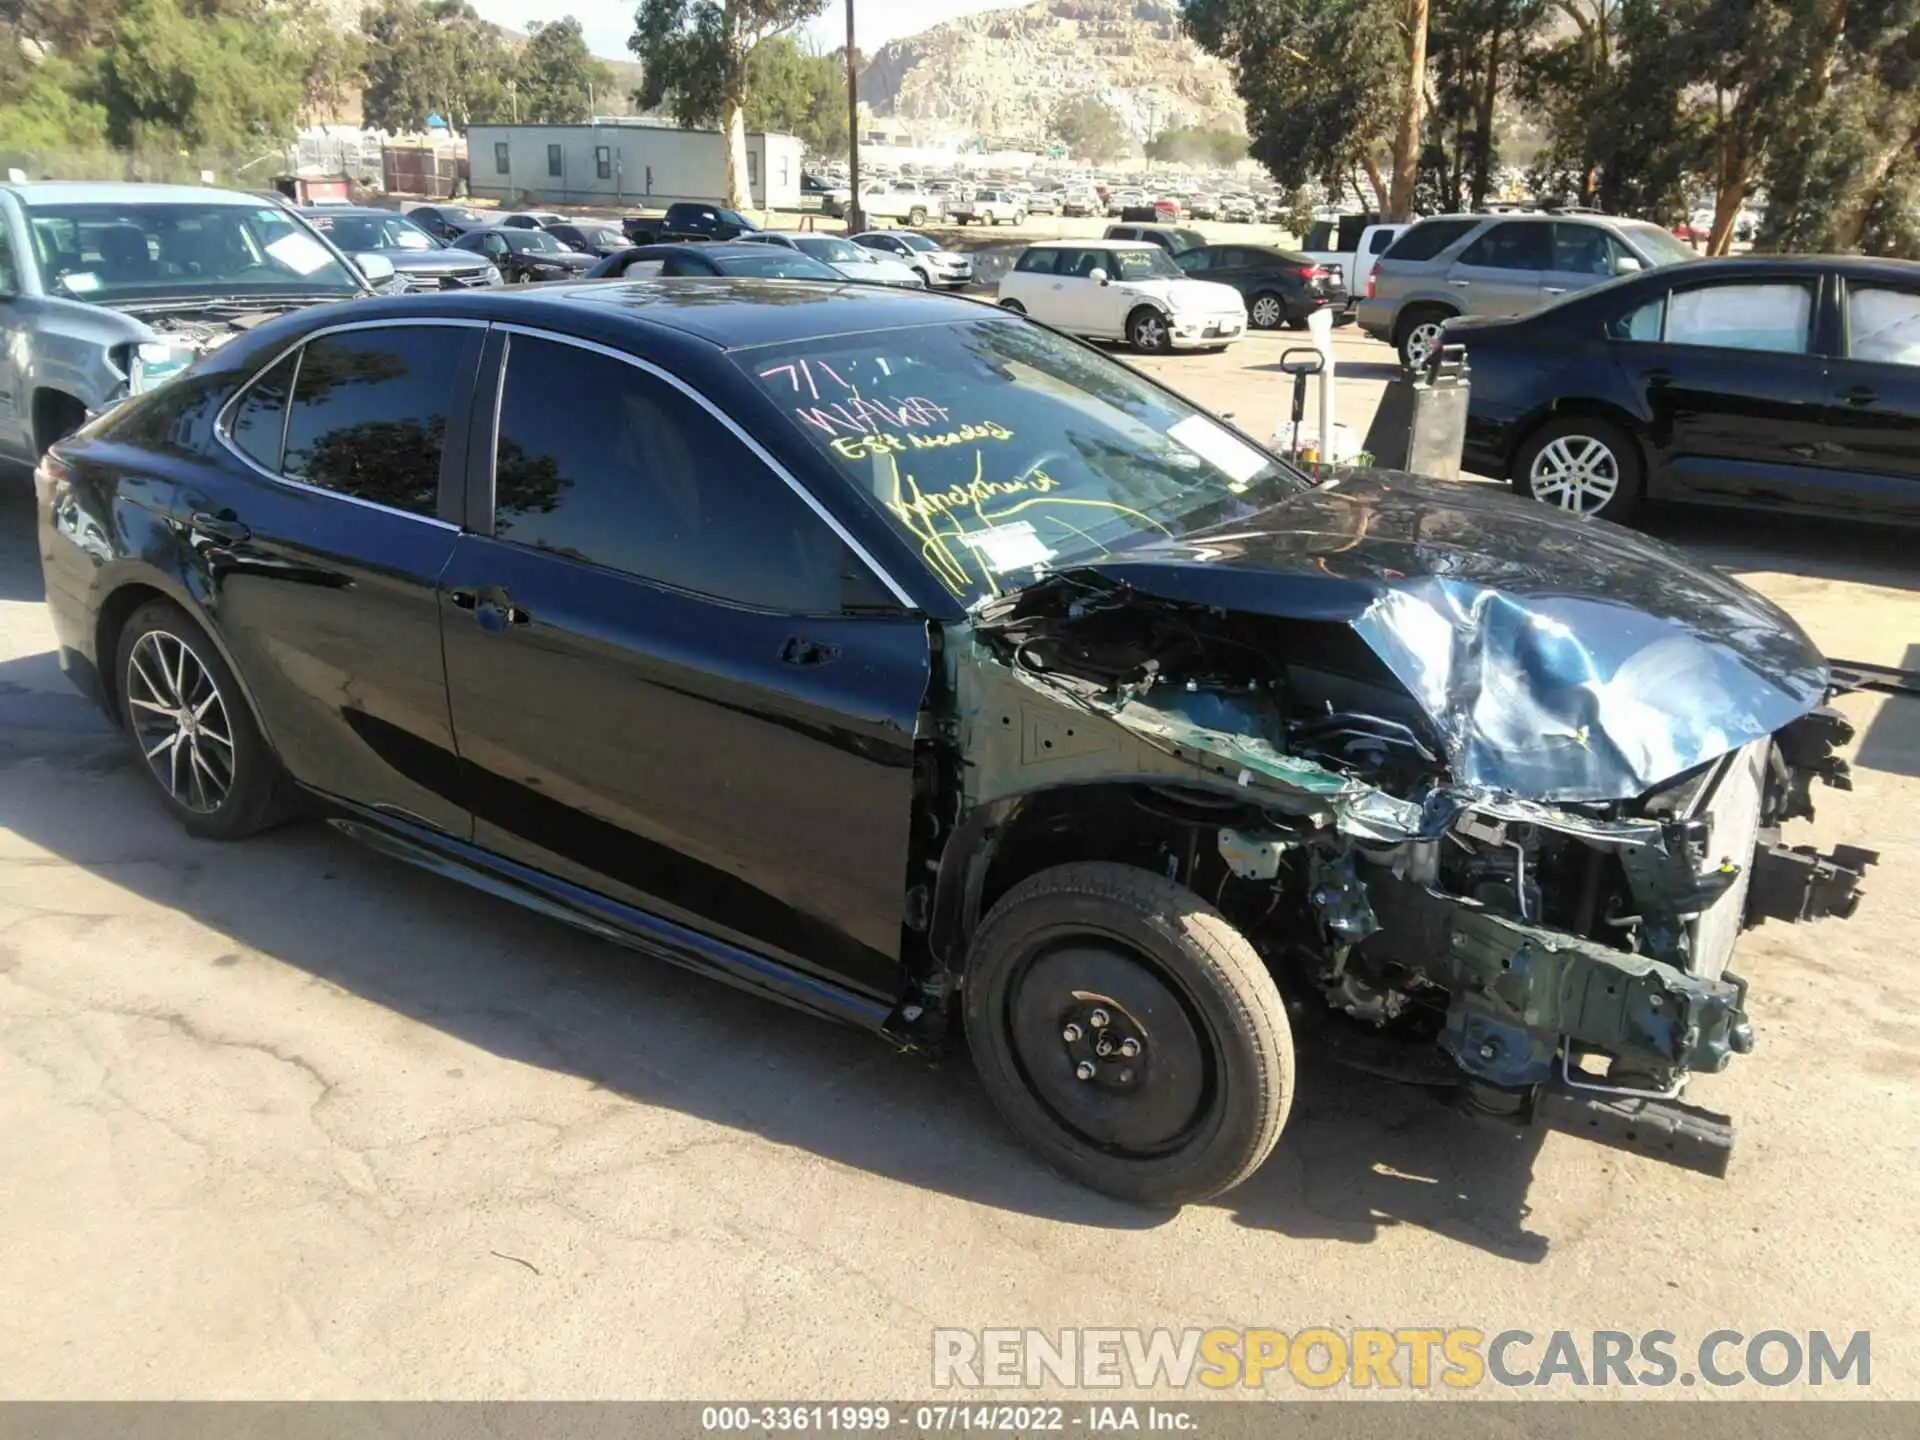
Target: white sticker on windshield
{"x": 81, "y": 282}
{"x": 1009, "y": 547}
{"x": 301, "y": 254}
{"x": 1220, "y": 447}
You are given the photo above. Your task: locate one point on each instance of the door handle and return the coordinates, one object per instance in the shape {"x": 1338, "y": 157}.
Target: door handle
{"x": 1459, "y": 284}
{"x": 1553, "y": 289}
{"x": 490, "y": 607}
{"x": 802, "y": 652}
{"x": 206, "y": 529}
{"x": 1657, "y": 379}
{"x": 1860, "y": 395}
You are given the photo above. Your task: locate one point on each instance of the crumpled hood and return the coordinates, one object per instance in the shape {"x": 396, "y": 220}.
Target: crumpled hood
{"x": 1560, "y": 659}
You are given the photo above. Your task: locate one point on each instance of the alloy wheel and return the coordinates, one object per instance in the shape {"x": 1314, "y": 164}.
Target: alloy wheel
{"x": 1422, "y": 340}
{"x": 1266, "y": 312}
{"x": 1150, "y": 332}
{"x": 1579, "y": 473}
{"x": 180, "y": 719}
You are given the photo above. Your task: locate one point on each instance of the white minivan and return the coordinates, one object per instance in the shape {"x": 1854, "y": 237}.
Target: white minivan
{"x": 1122, "y": 290}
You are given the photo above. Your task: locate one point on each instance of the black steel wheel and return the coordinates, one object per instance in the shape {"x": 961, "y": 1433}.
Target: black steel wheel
{"x": 191, "y": 730}
{"x": 1129, "y": 1033}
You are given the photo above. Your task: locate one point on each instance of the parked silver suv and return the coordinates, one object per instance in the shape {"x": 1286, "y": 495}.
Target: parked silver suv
{"x": 108, "y": 289}
{"x": 1499, "y": 265}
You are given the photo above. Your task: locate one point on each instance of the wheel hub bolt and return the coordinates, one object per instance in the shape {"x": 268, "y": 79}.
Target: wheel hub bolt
{"x": 1084, "y": 1070}
{"x": 1098, "y": 1019}
{"x": 1070, "y": 1034}
{"x": 1129, "y": 1048}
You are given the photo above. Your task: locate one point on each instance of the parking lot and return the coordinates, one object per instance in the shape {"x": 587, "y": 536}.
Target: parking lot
{"x": 288, "y": 1118}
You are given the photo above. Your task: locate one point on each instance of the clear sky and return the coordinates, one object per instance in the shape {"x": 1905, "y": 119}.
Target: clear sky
{"x": 608, "y": 23}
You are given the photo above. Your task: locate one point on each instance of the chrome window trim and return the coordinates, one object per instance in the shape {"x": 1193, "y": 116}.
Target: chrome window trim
{"x": 732, "y": 426}
{"x": 223, "y": 422}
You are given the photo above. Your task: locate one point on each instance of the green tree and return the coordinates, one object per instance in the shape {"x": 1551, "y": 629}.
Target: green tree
{"x": 1197, "y": 146}
{"x": 1476, "y": 53}
{"x": 1089, "y": 127}
{"x": 218, "y": 81}
{"x": 437, "y": 57}
{"x": 557, "y": 75}
{"x": 697, "y": 56}
{"x": 1325, "y": 86}
{"x": 793, "y": 92}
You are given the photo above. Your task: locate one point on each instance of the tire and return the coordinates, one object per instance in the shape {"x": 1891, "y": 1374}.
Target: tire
{"x": 916, "y": 216}
{"x": 1583, "y": 465}
{"x": 1419, "y": 331}
{"x": 1202, "y": 1104}
{"x": 220, "y": 780}
{"x": 1014, "y": 305}
{"x": 1266, "y": 311}
{"x": 1148, "y": 332}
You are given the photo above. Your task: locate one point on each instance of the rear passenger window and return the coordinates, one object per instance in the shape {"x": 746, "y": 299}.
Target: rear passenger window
{"x": 1512, "y": 245}
{"x": 1643, "y": 322}
{"x": 1037, "y": 261}
{"x": 656, "y": 487}
{"x": 1774, "y": 318}
{"x": 1883, "y": 325}
{"x": 261, "y": 416}
{"x": 1425, "y": 240}
{"x": 369, "y": 413}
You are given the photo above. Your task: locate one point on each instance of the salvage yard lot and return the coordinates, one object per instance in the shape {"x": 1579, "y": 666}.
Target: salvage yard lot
{"x": 290, "y": 1119}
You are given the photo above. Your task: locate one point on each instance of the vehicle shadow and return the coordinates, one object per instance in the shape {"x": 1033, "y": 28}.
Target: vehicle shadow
{"x": 1824, "y": 549}
{"x": 19, "y": 546}
{"x": 1891, "y": 743}
{"x": 1358, "y": 1156}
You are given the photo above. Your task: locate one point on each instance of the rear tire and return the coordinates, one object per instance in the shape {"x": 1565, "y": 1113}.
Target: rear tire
{"x": 1076, "y": 962}
{"x": 191, "y": 731}
{"x": 1014, "y": 305}
{"x": 1419, "y": 332}
{"x": 916, "y": 217}
{"x": 1582, "y": 465}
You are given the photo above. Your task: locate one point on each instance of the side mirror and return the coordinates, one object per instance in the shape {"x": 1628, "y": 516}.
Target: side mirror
{"x": 1626, "y": 265}
{"x": 1097, "y": 275}
{"x": 377, "y": 268}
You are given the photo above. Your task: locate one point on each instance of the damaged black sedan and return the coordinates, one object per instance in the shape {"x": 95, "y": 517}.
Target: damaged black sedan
{"x": 921, "y": 668}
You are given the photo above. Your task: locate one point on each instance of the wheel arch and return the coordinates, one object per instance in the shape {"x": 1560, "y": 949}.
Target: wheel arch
{"x": 1128, "y": 820}
{"x": 49, "y": 403}
{"x": 1419, "y": 304}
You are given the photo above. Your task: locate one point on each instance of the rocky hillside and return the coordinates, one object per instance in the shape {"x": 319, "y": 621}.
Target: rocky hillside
{"x": 999, "y": 73}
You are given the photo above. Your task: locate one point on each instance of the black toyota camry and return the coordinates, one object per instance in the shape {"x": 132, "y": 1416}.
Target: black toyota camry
{"x": 904, "y": 661}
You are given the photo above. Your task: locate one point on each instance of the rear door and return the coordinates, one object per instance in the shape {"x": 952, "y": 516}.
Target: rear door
{"x": 672, "y": 680}
{"x": 323, "y": 540}
{"x": 1873, "y": 411}
{"x": 1501, "y": 272}
{"x": 1735, "y": 395}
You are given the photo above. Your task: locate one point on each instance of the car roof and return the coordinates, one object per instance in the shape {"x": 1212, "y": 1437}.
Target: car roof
{"x": 731, "y": 312}
{"x": 1904, "y": 271}
{"x": 722, "y": 248}
{"x": 110, "y": 192}
{"x": 320, "y": 212}
{"x": 1101, "y": 242}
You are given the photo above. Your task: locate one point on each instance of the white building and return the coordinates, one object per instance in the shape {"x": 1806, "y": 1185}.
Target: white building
{"x": 622, "y": 162}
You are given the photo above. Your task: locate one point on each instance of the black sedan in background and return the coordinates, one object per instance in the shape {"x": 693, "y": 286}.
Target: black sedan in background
{"x": 1787, "y": 383}
{"x": 421, "y": 261}
{"x": 707, "y": 258}
{"x": 889, "y": 655}
{"x": 1280, "y": 287}
{"x": 526, "y": 255}
{"x": 447, "y": 222}
{"x": 589, "y": 237}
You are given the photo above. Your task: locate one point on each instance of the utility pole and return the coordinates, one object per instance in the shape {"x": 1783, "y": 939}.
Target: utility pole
{"x": 856, "y": 222}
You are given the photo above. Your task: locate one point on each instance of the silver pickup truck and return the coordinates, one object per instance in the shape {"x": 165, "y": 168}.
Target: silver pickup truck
{"x": 108, "y": 289}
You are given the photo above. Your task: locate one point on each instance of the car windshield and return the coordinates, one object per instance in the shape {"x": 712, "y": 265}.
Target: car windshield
{"x": 772, "y": 262}
{"x": 611, "y": 239}
{"x": 998, "y": 449}
{"x": 1187, "y": 240}
{"x": 459, "y": 216}
{"x": 373, "y": 232}
{"x": 1655, "y": 243}
{"x": 532, "y": 240}
{"x": 1150, "y": 263}
{"x": 917, "y": 242}
{"x": 146, "y": 251}
{"x": 833, "y": 250}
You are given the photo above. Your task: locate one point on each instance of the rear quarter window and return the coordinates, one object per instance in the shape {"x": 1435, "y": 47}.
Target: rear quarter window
{"x": 1428, "y": 239}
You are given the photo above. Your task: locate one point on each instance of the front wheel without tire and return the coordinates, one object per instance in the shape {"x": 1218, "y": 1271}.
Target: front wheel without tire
{"x": 191, "y": 730}
{"x": 1129, "y": 1033}
{"x": 1582, "y": 465}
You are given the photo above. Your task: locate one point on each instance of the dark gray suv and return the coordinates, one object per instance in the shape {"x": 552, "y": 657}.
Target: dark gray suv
{"x": 1499, "y": 265}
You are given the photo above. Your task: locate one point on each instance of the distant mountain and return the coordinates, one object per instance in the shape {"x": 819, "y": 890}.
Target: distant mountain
{"x": 999, "y": 73}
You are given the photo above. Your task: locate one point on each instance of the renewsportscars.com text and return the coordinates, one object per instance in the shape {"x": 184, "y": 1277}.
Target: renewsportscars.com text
{"x": 1459, "y": 1358}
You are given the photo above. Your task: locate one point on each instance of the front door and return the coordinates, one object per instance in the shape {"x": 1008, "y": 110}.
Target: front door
{"x": 672, "y": 681}
{"x": 1583, "y": 255}
{"x": 1501, "y": 272}
{"x": 1873, "y": 411}
{"x": 1077, "y": 298}
{"x": 321, "y": 537}
{"x": 1735, "y": 396}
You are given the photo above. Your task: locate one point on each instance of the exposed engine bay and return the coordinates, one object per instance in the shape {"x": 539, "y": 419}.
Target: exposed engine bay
{"x": 1558, "y": 951}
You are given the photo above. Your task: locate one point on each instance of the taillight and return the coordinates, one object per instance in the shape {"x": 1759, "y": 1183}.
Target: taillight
{"x": 1373, "y": 278}
{"x": 1314, "y": 272}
